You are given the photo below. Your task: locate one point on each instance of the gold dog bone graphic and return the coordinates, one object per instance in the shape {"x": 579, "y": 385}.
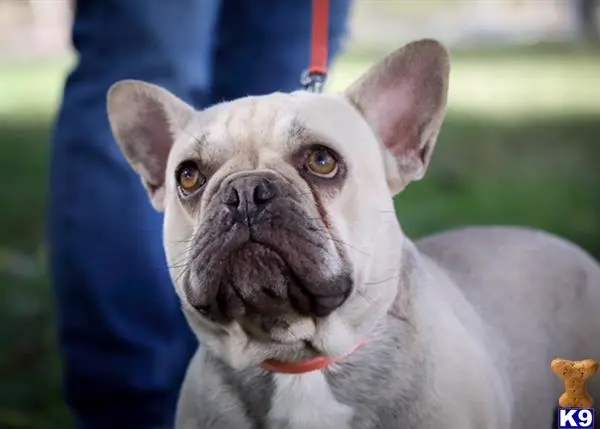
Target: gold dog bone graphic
{"x": 575, "y": 374}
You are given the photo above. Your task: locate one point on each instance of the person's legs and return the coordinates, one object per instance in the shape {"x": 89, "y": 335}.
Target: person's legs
{"x": 124, "y": 340}
{"x": 587, "y": 19}
{"x": 264, "y": 45}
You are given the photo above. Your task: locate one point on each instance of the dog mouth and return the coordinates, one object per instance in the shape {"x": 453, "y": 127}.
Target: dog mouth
{"x": 267, "y": 279}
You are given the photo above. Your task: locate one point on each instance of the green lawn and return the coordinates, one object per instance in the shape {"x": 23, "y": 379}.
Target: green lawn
{"x": 520, "y": 146}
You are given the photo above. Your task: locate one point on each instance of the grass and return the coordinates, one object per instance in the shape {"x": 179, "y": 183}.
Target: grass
{"x": 520, "y": 146}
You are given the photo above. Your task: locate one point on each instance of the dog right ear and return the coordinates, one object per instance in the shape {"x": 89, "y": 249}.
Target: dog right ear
{"x": 145, "y": 121}
{"x": 403, "y": 98}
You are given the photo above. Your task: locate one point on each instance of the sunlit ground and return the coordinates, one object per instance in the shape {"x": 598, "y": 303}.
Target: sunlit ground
{"x": 521, "y": 145}
{"x": 518, "y": 84}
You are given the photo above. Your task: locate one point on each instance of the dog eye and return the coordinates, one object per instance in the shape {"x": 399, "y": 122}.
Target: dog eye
{"x": 189, "y": 178}
{"x": 322, "y": 163}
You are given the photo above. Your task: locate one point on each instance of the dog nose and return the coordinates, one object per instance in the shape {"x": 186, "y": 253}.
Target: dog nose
{"x": 247, "y": 196}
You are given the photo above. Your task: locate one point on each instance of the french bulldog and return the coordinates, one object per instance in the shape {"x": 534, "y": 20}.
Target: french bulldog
{"x": 312, "y": 308}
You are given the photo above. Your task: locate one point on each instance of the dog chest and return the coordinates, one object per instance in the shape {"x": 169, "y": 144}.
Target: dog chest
{"x": 306, "y": 402}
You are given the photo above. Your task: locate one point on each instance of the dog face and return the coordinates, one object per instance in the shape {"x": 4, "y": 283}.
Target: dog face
{"x": 279, "y": 227}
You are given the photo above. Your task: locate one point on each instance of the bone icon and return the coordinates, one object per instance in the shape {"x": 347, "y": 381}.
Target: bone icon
{"x": 575, "y": 375}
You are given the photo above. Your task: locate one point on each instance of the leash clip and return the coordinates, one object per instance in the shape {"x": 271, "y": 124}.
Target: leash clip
{"x": 313, "y": 78}
{"x": 312, "y": 81}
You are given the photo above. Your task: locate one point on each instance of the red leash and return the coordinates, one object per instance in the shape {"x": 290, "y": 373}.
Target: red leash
{"x": 314, "y": 78}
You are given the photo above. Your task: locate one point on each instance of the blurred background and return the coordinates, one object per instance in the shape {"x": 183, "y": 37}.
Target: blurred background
{"x": 521, "y": 145}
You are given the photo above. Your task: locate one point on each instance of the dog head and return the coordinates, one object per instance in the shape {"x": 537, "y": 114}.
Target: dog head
{"x": 279, "y": 227}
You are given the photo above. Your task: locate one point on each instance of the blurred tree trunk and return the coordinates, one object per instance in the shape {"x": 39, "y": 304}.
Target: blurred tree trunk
{"x": 587, "y": 19}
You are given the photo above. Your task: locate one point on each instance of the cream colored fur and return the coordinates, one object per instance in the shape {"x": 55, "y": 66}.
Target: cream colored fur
{"x": 462, "y": 326}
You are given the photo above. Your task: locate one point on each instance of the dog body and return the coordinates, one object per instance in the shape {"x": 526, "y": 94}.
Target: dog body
{"x": 490, "y": 307}
{"x": 283, "y": 244}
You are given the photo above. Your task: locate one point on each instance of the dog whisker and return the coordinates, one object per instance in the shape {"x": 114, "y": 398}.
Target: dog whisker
{"x": 378, "y": 282}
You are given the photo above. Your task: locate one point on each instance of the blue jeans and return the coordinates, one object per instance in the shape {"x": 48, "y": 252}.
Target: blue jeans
{"x": 124, "y": 341}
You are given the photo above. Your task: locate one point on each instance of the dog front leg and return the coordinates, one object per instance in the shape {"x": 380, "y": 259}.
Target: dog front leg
{"x": 206, "y": 402}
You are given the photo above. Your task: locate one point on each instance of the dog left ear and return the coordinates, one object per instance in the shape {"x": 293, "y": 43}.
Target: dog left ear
{"x": 403, "y": 98}
{"x": 146, "y": 120}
